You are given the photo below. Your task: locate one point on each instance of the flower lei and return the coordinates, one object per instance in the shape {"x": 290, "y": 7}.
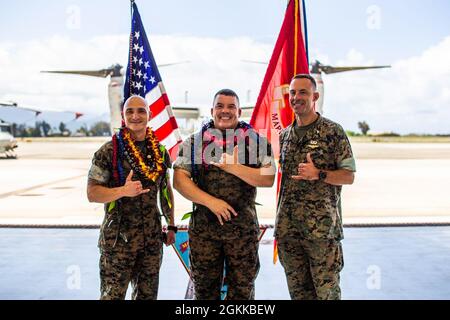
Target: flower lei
{"x": 124, "y": 147}
{"x": 208, "y": 138}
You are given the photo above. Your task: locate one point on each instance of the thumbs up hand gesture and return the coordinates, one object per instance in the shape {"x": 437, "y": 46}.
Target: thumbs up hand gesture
{"x": 227, "y": 162}
{"x": 307, "y": 171}
{"x": 133, "y": 188}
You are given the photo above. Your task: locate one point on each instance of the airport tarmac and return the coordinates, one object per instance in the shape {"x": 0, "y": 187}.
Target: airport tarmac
{"x": 395, "y": 183}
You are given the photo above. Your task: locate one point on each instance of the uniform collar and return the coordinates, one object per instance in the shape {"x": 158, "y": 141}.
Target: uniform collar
{"x": 315, "y": 123}
{"x": 310, "y": 133}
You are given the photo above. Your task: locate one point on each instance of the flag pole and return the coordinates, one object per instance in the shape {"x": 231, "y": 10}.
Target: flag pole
{"x": 131, "y": 8}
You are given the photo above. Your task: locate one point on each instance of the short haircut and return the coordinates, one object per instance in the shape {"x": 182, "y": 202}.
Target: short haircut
{"x": 134, "y": 97}
{"x": 226, "y": 92}
{"x": 306, "y": 76}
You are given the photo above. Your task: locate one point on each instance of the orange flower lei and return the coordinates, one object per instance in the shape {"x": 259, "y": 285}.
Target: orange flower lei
{"x": 150, "y": 174}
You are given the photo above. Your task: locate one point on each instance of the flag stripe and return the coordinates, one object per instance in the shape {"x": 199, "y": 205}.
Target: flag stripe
{"x": 160, "y": 119}
{"x": 157, "y": 107}
{"x": 304, "y": 28}
{"x": 163, "y": 131}
{"x": 172, "y": 140}
{"x": 296, "y": 20}
{"x": 153, "y": 95}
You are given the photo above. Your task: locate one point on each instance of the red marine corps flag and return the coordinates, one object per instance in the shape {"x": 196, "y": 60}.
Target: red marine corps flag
{"x": 290, "y": 57}
{"x": 272, "y": 111}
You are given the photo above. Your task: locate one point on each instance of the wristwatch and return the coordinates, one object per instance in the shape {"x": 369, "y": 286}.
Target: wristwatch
{"x": 322, "y": 175}
{"x": 172, "y": 228}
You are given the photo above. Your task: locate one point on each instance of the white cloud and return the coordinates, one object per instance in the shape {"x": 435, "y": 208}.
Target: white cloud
{"x": 413, "y": 96}
{"x": 215, "y": 63}
{"x": 22, "y": 81}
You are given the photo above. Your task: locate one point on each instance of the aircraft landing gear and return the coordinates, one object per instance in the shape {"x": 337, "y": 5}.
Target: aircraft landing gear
{"x": 10, "y": 154}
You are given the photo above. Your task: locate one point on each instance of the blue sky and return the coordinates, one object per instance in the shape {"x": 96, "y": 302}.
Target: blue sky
{"x": 407, "y": 27}
{"x": 339, "y": 33}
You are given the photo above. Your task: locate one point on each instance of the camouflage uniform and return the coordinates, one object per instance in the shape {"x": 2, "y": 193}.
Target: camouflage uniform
{"x": 130, "y": 239}
{"x": 236, "y": 242}
{"x": 309, "y": 221}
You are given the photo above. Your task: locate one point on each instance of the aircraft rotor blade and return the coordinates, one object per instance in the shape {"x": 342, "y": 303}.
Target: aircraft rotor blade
{"x": 39, "y": 111}
{"x": 331, "y": 70}
{"x": 257, "y": 62}
{"x": 8, "y": 104}
{"x": 172, "y": 64}
{"x": 115, "y": 70}
{"x": 17, "y": 106}
{"x": 92, "y": 73}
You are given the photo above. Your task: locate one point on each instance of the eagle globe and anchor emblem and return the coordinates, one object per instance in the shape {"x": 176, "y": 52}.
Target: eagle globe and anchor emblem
{"x": 281, "y": 113}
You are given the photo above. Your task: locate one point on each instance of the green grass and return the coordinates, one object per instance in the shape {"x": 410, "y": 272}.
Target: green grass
{"x": 354, "y": 139}
{"x": 63, "y": 139}
{"x": 402, "y": 139}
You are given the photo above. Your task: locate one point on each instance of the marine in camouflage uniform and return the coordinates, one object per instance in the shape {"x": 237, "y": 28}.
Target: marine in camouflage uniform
{"x": 309, "y": 218}
{"x": 131, "y": 235}
{"x": 234, "y": 243}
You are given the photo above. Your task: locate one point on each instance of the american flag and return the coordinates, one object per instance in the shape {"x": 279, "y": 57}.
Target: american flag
{"x": 143, "y": 79}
